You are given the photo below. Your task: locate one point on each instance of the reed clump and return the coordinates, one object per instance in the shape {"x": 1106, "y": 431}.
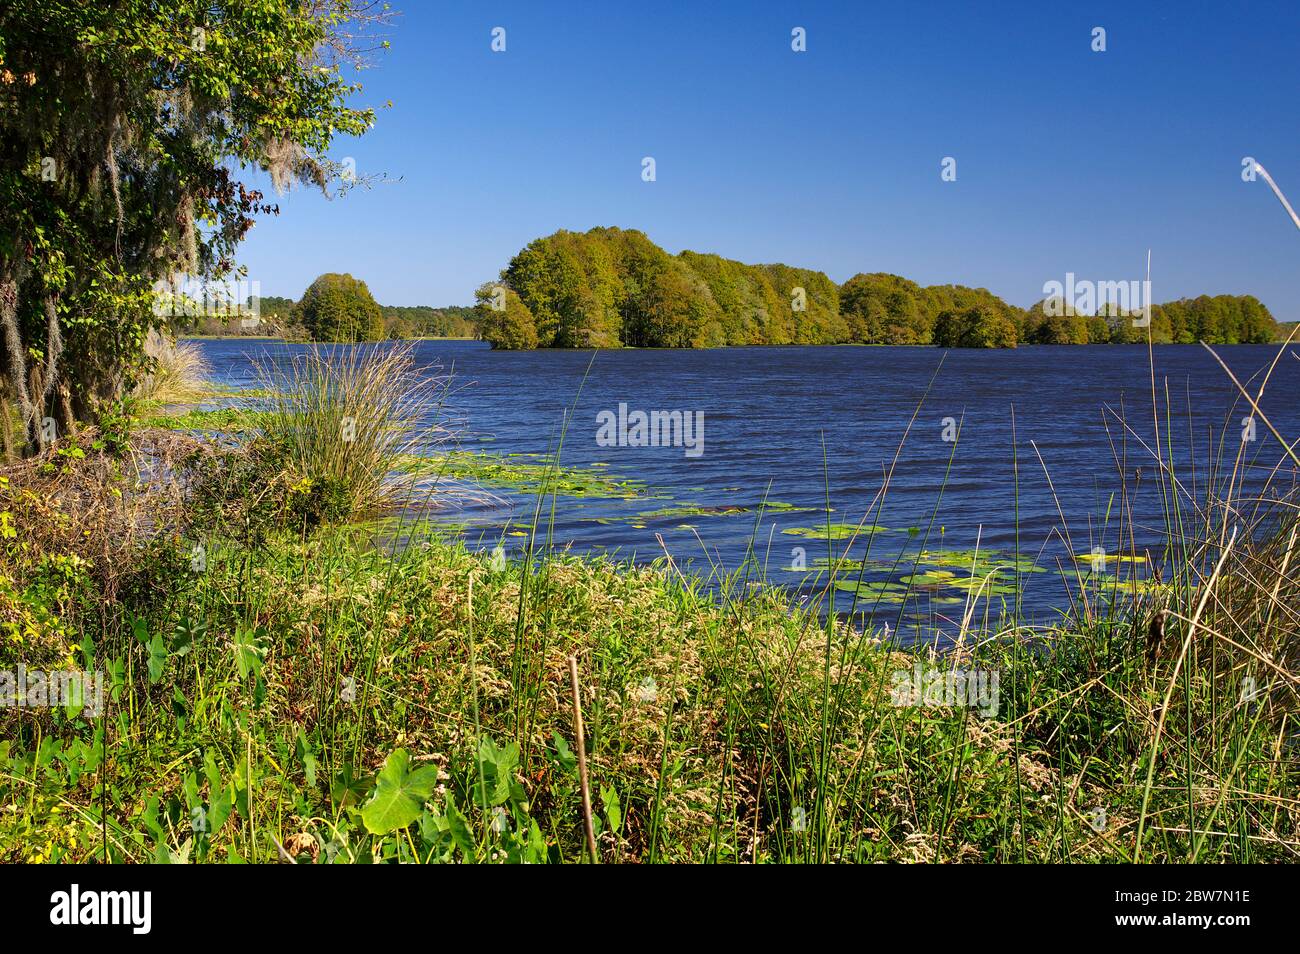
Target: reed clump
{"x": 339, "y": 419}
{"x": 176, "y": 371}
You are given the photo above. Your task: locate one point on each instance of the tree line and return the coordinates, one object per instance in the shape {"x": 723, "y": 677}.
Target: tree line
{"x": 335, "y": 307}
{"x": 611, "y": 287}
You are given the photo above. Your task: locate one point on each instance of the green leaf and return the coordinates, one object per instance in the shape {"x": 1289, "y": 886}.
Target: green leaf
{"x": 307, "y": 757}
{"x": 187, "y": 633}
{"x": 248, "y": 651}
{"x": 219, "y": 809}
{"x": 497, "y": 769}
{"x": 157, "y": 658}
{"x": 613, "y": 810}
{"x": 348, "y": 788}
{"x": 399, "y": 794}
{"x": 563, "y": 756}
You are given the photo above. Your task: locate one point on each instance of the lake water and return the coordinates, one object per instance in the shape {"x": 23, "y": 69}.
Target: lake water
{"x": 803, "y": 425}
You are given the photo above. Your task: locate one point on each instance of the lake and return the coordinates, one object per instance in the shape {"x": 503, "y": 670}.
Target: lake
{"x": 803, "y": 426}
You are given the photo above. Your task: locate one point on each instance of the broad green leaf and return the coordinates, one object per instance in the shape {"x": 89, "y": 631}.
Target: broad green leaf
{"x": 219, "y": 809}
{"x": 497, "y": 769}
{"x": 248, "y": 652}
{"x": 348, "y": 788}
{"x": 157, "y": 658}
{"x": 399, "y": 794}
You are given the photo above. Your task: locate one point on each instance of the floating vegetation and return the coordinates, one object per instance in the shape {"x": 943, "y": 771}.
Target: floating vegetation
{"x": 522, "y": 473}
{"x": 1110, "y": 558}
{"x": 886, "y": 592}
{"x": 1128, "y": 585}
{"x": 980, "y": 562}
{"x": 224, "y": 420}
{"x": 692, "y": 509}
{"x": 929, "y": 579}
{"x": 836, "y": 531}
{"x": 990, "y": 585}
{"x": 1143, "y": 587}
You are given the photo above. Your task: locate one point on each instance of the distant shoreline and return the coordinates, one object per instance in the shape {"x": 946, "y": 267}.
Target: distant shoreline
{"x": 840, "y": 344}
{"x": 276, "y": 337}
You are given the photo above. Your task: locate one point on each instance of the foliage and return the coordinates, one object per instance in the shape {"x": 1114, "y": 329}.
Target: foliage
{"x": 122, "y": 131}
{"x": 331, "y": 698}
{"x": 1047, "y": 322}
{"x": 1218, "y": 319}
{"x": 886, "y": 309}
{"x": 507, "y": 323}
{"x": 354, "y": 705}
{"x": 979, "y": 326}
{"x": 611, "y": 287}
{"x": 422, "y": 321}
{"x": 340, "y": 308}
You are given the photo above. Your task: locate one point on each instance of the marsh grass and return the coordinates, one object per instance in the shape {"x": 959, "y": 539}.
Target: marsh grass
{"x": 344, "y": 418}
{"x": 177, "y": 372}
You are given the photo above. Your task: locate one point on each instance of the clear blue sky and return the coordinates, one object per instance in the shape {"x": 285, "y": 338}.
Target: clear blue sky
{"x": 1067, "y": 159}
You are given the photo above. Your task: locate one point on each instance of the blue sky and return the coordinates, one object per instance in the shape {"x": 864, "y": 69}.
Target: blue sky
{"x": 1068, "y": 160}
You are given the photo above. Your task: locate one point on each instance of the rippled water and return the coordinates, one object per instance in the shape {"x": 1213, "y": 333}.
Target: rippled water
{"x": 802, "y": 425}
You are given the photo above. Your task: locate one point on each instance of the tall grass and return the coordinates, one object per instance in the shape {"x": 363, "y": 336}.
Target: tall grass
{"x": 177, "y": 371}
{"x": 343, "y": 416}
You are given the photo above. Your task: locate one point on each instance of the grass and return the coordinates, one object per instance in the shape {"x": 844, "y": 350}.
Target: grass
{"x": 344, "y": 417}
{"x": 177, "y": 372}
{"x": 312, "y": 693}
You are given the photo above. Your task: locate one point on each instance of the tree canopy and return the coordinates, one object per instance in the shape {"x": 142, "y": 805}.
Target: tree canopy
{"x": 340, "y": 308}
{"x": 124, "y": 129}
{"x": 975, "y": 326}
{"x": 425, "y": 321}
{"x": 505, "y": 320}
{"x": 610, "y": 287}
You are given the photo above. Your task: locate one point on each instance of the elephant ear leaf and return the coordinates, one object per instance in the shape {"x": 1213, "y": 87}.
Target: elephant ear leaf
{"x": 157, "y": 658}
{"x": 399, "y": 794}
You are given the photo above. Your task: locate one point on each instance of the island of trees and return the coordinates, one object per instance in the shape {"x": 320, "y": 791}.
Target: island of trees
{"x": 611, "y": 287}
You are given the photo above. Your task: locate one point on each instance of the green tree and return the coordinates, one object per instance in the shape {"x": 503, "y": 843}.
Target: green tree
{"x": 1046, "y": 322}
{"x": 123, "y": 127}
{"x": 340, "y": 308}
{"x": 608, "y": 287}
{"x": 979, "y": 326}
{"x": 819, "y": 321}
{"x": 423, "y": 321}
{"x": 506, "y": 323}
{"x": 1099, "y": 330}
{"x": 880, "y": 308}
{"x": 1256, "y": 323}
